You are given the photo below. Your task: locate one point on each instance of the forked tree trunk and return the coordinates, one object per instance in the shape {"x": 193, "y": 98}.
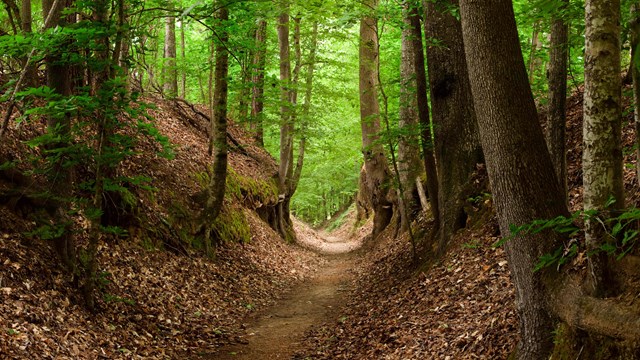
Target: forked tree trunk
{"x": 523, "y": 182}
{"x": 257, "y": 101}
{"x": 602, "y": 156}
{"x": 409, "y": 164}
{"x": 217, "y": 186}
{"x": 378, "y": 177}
{"x": 556, "y": 123}
{"x": 457, "y": 144}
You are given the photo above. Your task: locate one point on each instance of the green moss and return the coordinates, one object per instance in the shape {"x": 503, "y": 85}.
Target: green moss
{"x": 231, "y": 225}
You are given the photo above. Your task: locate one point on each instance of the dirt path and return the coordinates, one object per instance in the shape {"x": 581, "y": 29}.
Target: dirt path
{"x": 277, "y": 333}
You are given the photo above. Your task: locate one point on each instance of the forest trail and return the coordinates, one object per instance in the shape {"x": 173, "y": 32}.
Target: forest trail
{"x": 278, "y": 331}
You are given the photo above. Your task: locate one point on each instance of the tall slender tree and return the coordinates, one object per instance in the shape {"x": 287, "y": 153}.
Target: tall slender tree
{"x": 170, "y": 69}
{"x": 217, "y": 185}
{"x": 257, "y": 93}
{"x": 409, "y": 163}
{"x": 557, "y": 73}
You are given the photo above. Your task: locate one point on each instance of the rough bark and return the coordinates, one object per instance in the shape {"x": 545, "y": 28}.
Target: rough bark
{"x": 409, "y": 164}
{"x": 257, "y": 101}
{"x": 557, "y": 73}
{"x": 425, "y": 125}
{"x": 602, "y": 155}
{"x": 520, "y": 170}
{"x": 378, "y": 177}
{"x": 217, "y": 186}
{"x": 457, "y": 144}
{"x": 634, "y": 28}
{"x": 170, "y": 70}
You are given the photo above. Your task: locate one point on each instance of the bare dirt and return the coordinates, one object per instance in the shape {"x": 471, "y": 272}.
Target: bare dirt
{"x": 277, "y": 333}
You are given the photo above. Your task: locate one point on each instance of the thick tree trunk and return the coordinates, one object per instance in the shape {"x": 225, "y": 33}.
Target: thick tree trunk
{"x": 457, "y": 144}
{"x": 423, "y": 116}
{"x": 217, "y": 186}
{"x": 521, "y": 174}
{"x": 378, "y": 177}
{"x": 409, "y": 164}
{"x": 557, "y": 73}
{"x": 257, "y": 98}
{"x": 602, "y": 156}
{"x": 170, "y": 70}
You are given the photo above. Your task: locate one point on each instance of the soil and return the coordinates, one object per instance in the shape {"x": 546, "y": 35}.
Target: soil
{"x": 277, "y": 333}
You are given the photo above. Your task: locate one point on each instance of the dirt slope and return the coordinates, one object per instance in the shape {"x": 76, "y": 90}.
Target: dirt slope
{"x": 155, "y": 304}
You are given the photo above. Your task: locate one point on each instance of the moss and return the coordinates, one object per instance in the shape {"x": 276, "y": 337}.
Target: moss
{"x": 231, "y": 225}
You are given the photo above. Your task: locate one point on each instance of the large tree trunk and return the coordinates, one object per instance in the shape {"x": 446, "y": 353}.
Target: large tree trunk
{"x": 257, "y": 100}
{"x": 409, "y": 164}
{"x": 521, "y": 174}
{"x": 602, "y": 156}
{"x": 378, "y": 177}
{"x": 457, "y": 144}
{"x": 217, "y": 186}
{"x": 556, "y": 123}
{"x": 170, "y": 70}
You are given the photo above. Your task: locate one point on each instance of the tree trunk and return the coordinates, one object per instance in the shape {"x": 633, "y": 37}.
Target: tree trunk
{"x": 409, "y": 164}
{"x": 257, "y": 99}
{"x": 217, "y": 186}
{"x": 286, "y": 123}
{"x": 183, "y": 54}
{"x": 521, "y": 174}
{"x": 425, "y": 125}
{"x": 634, "y": 27}
{"x": 378, "y": 177}
{"x": 536, "y": 44}
{"x": 602, "y": 156}
{"x": 59, "y": 79}
{"x": 170, "y": 70}
{"x": 26, "y": 19}
{"x": 457, "y": 144}
{"x": 557, "y": 73}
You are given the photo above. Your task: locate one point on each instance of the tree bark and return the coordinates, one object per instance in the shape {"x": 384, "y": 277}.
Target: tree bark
{"x": 521, "y": 174}
{"x": 425, "y": 125}
{"x": 457, "y": 144}
{"x": 602, "y": 155}
{"x": 409, "y": 164}
{"x": 634, "y": 28}
{"x": 26, "y": 20}
{"x": 257, "y": 99}
{"x": 217, "y": 186}
{"x": 183, "y": 54}
{"x": 170, "y": 70}
{"x": 556, "y": 123}
{"x": 378, "y": 177}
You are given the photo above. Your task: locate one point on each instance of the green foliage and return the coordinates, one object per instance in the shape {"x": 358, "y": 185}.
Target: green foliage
{"x": 231, "y": 225}
{"x": 622, "y": 232}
